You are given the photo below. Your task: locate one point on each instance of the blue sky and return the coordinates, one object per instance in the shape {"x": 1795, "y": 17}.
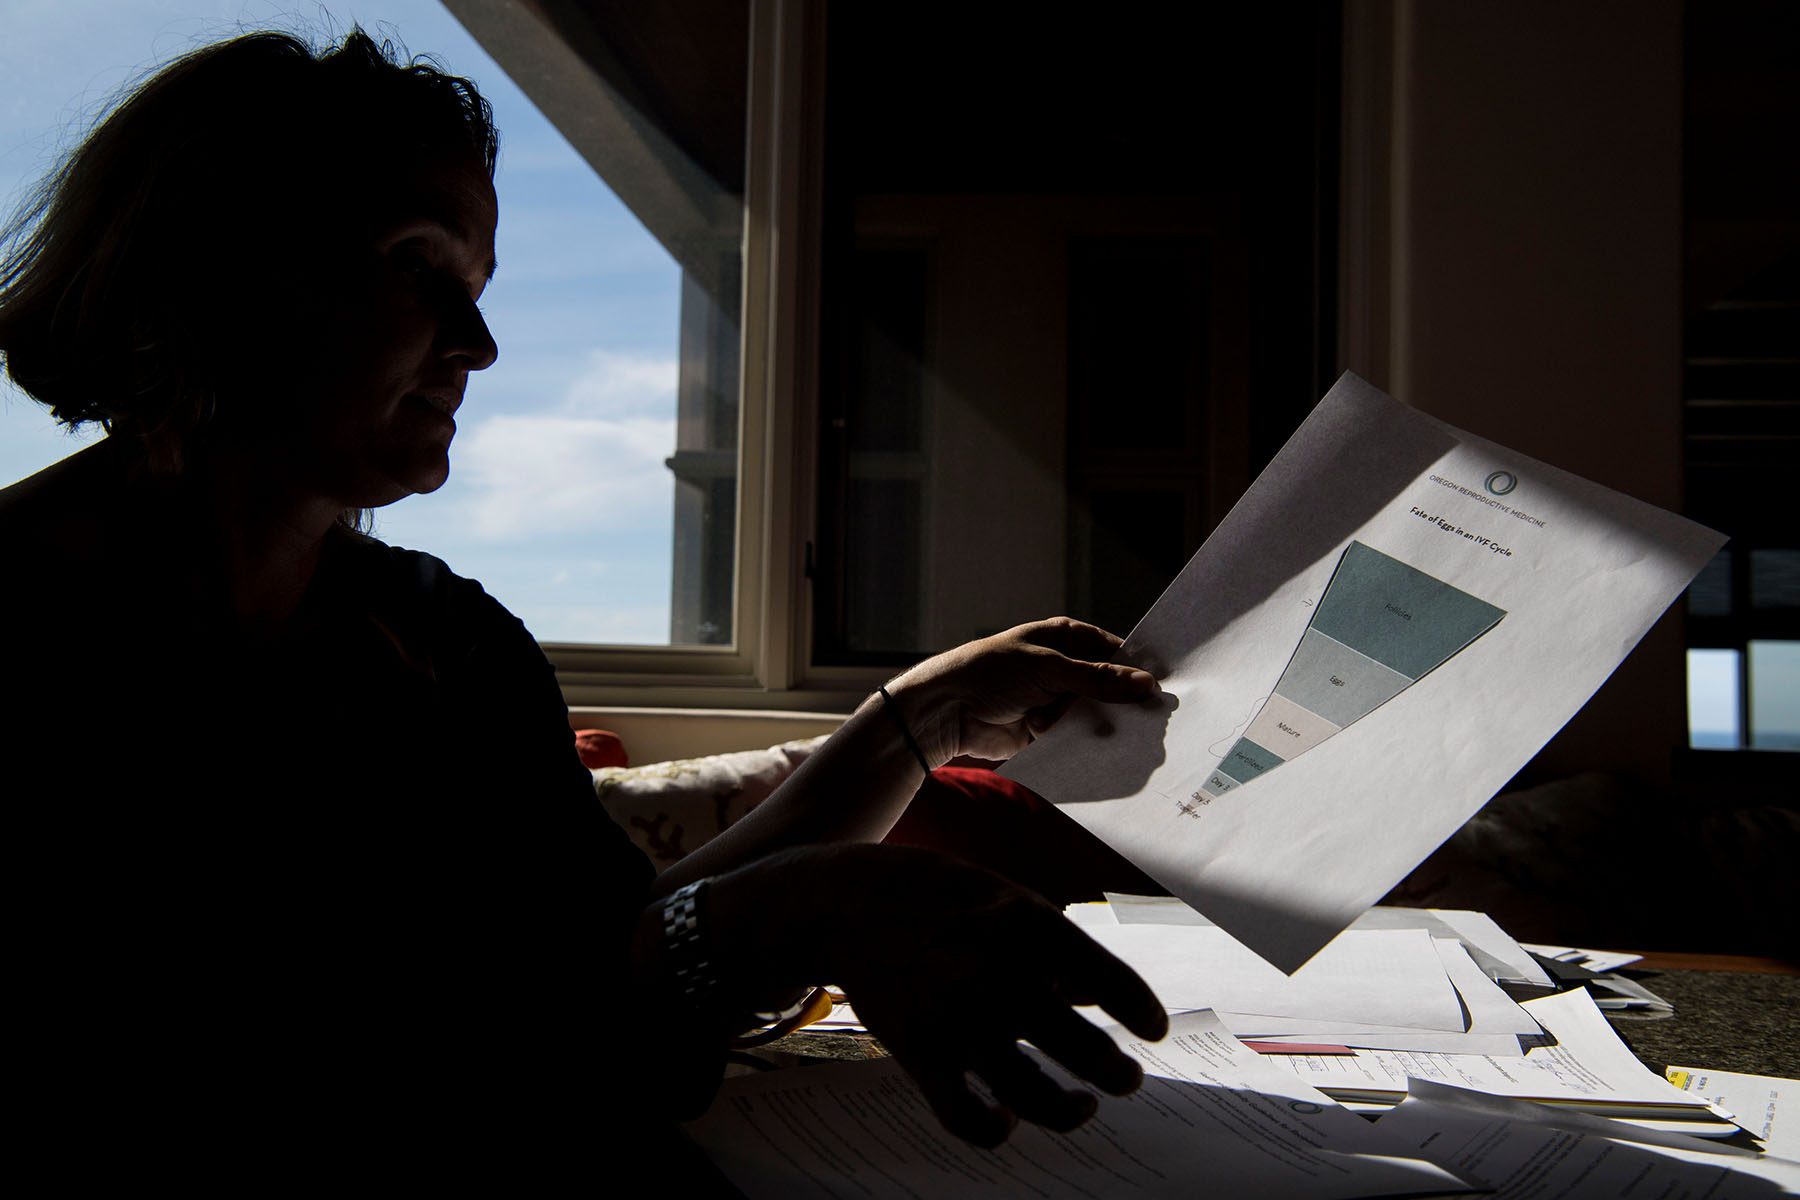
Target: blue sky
{"x": 558, "y": 500}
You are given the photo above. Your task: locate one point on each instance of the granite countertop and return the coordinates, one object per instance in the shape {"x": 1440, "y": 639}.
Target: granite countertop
{"x": 1723, "y": 1020}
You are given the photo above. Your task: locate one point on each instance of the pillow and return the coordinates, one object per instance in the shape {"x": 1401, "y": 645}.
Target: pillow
{"x": 671, "y": 809}
{"x": 600, "y": 748}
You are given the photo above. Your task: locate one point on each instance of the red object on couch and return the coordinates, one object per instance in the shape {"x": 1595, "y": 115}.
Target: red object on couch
{"x": 600, "y": 748}
{"x": 988, "y": 820}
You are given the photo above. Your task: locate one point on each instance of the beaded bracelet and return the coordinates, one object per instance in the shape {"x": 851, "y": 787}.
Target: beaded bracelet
{"x": 888, "y": 706}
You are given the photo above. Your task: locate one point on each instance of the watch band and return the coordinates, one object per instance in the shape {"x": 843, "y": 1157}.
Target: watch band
{"x": 685, "y": 943}
{"x": 687, "y": 948}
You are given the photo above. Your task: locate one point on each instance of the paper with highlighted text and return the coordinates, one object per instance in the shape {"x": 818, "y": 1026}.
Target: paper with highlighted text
{"x": 1392, "y": 620}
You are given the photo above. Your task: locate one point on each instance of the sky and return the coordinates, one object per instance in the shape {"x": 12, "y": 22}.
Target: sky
{"x": 558, "y": 500}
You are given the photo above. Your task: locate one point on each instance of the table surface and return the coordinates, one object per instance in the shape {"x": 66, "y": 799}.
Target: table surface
{"x": 1724, "y": 1020}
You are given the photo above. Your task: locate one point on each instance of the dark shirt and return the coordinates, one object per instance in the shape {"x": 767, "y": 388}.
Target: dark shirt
{"x": 350, "y": 883}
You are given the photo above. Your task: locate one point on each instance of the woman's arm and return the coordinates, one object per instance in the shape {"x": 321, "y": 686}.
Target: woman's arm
{"x": 950, "y": 965}
{"x": 987, "y": 699}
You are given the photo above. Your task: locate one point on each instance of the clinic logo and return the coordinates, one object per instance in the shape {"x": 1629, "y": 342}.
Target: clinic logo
{"x": 1502, "y": 482}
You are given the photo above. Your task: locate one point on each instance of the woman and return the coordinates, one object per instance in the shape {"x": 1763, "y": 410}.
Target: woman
{"x": 382, "y": 900}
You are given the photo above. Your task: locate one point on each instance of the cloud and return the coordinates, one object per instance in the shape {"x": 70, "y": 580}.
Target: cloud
{"x": 594, "y": 463}
{"x": 624, "y": 384}
{"x": 528, "y": 475}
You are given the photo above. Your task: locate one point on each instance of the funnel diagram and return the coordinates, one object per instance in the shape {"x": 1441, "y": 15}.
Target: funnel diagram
{"x": 1380, "y": 627}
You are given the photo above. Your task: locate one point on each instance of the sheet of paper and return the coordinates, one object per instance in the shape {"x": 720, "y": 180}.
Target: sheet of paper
{"x": 1615, "y": 993}
{"x": 1588, "y": 1067}
{"x": 1494, "y": 951}
{"x": 1483, "y": 935}
{"x": 1526, "y": 1151}
{"x": 1488, "y": 1045}
{"x": 1755, "y": 1100}
{"x": 1495, "y": 1020}
{"x": 1593, "y": 960}
{"x": 1172, "y": 910}
{"x": 1096, "y": 912}
{"x": 1185, "y": 967}
{"x": 1384, "y": 977}
{"x": 1211, "y": 1118}
{"x": 1374, "y": 640}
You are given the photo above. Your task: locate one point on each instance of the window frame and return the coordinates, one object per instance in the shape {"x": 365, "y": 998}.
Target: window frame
{"x": 765, "y": 666}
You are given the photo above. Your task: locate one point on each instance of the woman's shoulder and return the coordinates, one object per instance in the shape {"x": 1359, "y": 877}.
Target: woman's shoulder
{"x": 61, "y": 532}
{"x": 405, "y": 570}
{"x": 420, "y": 597}
{"x": 60, "y": 507}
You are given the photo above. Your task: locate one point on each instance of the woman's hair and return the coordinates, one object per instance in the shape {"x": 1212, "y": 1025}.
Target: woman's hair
{"x": 181, "y": 226}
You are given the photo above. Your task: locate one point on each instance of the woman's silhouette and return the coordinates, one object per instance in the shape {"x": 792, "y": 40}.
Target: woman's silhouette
{"x": 303, "y": 859}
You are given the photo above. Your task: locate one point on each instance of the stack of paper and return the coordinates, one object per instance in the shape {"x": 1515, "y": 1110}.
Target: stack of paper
{"x": 1755, "y": 1100}
{"x": 1520, "y": 1149}
{"x": 1593, "y": 969}
{"x": 1371, "y": 1005}
{"x": 1213, "y": 1118}
{"x": 1500, "y": 958}
{"x": 1587, "y": 1068}
{"x": 1391, "y": 989}
{"x": 1398, "y": 979}
{"x": 1589, "y": 960}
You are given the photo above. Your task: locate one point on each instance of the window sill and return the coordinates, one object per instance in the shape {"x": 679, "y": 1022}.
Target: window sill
{"x": 660, "y": 734}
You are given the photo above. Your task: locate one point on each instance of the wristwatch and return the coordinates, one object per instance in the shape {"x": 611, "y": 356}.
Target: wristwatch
{"x": 685, "y": 945}
{"x": 687, "y": 948}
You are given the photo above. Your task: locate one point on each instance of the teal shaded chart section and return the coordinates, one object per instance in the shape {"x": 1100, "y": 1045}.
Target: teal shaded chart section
{"x": 1381, "y": 626}
{"x": 1398, "y": 615}
{"x": 1247, "y": 760}
{"x": 1340, "y": 684}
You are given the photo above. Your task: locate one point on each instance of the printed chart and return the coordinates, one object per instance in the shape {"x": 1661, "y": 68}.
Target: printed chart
{"x": 1380, "y": 627}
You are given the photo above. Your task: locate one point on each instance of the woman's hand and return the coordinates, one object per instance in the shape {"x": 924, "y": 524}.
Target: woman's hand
{"x": 951, "y": 967}
{"x": 990, "y": 698}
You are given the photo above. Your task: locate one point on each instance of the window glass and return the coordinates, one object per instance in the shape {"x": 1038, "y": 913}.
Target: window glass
{"x": 1045, "y": 369}
{"x": 593, "y": 478}
{"x": 1713, "y": 699}
{"x": 1775, "y": 695}
{"x": 1775, "y": 580}
{"x": 1710, "y": 593}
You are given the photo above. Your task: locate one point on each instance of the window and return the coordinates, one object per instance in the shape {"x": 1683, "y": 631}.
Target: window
{"x": 692, "y": 110}
{"x": 1060, "y": 327}
{"x": 890, "y": 365}
{"x": 1742, "y": 380}
{"x": 593, "y": 485}
{"x": 1744, "y": 655}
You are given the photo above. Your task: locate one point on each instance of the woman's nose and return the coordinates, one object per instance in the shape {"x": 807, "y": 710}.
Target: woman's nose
{"x": 467, "y": 339}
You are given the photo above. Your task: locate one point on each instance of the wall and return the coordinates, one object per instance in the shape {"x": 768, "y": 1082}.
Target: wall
{"x": 1533, "y": 270}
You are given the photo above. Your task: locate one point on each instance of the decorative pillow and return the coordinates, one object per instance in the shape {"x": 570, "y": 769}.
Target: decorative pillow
{"x": 600, "y": 748}
{"x": 671, "y": 809}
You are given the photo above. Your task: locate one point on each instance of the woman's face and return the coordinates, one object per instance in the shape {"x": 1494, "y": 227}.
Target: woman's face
{"x": 388, "y": 342}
